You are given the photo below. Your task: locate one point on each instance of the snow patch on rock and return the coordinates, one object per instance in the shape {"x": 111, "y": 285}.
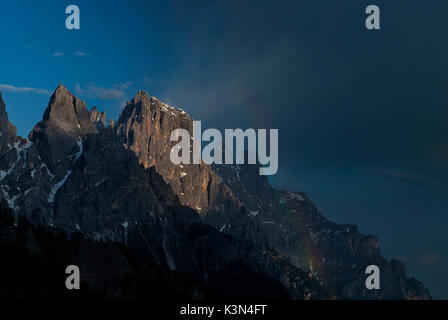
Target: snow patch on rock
{"x": 57, "y": 186}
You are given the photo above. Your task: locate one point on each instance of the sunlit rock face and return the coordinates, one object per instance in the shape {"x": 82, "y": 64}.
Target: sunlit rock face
{"x": 145, "y": 125}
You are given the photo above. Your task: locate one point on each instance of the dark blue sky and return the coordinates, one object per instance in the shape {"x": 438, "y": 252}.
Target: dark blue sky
{"x": 361, "y": 114}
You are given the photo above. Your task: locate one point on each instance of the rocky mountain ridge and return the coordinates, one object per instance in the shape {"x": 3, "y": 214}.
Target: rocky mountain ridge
{"x": 239, "y": 202}
{"x": 115, "y": 182}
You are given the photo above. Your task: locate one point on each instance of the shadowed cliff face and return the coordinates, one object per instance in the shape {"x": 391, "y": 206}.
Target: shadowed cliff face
{"x": 66, "y": 122}
{"x": 117, "y": 183}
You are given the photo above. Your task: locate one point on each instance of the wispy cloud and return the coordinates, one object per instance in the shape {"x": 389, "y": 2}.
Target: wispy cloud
{"x": 94, "y": 91}
{"x": 58, "y": 54}
{"x": 122, "y": 86}
{"x": 11, "y": 88}
{"x": 82, "y": 54}
{"x": 30, "y": 45}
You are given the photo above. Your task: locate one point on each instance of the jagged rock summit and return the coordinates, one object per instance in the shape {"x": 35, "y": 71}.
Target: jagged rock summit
{"x": 8, "y": 132}
{"x": 65, "y": 123}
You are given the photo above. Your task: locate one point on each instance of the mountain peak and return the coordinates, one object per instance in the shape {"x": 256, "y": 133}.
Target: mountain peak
{"x": 62, "y": 100}
{"x": 8, "y": 132}
{"x": 61, "y": 86}
{"x": 2, "y": 104}
{"x": 66, "y": 120}
{"x": 2, "y": 108}
{"x": 4, "y": 120}
{"x": 61, "y": 91}
{"x": 68, "y": 112}
{"x": 141, "y": 95}
{"x": 98, "y": 118}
